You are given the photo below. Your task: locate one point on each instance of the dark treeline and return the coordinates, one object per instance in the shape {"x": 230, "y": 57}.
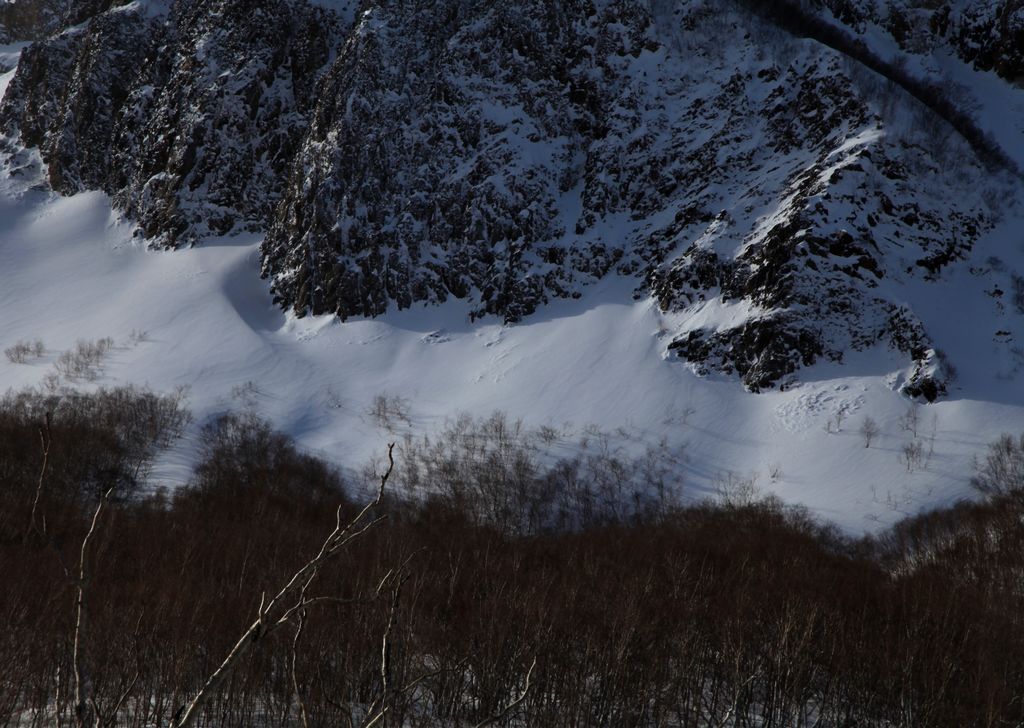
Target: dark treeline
{"x": 734, "y": 615}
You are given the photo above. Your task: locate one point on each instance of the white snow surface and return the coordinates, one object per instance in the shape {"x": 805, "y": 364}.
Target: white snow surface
{"x": 71, "y": 269}
{"x": 5, "y": 80}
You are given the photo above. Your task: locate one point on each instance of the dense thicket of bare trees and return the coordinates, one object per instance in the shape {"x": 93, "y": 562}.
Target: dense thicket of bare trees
{"x": 746, "y": 614}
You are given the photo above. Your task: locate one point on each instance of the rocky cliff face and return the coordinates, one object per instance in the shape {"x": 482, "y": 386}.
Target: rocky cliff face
{"x": 771, "y": 194}
{"x": 30, "y": 20}
{"x": 23, "y": 20}
{"x": 987, "y": 33}
{"x": 187, "y": 113}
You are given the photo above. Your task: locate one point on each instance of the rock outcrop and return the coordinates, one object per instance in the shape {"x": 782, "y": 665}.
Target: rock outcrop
{"x": 187, "y": 113}
{"x": 770, "y": 191}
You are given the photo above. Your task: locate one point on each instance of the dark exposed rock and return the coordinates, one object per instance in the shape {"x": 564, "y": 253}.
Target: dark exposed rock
{"x": 511, "y": 153}
{"x": 22, "y": 20}
{"x": 188, "y": 115}
{"x": 439, "y": 152}
{"x": 764, "y": 352}
{"x": 991, "y": 35}
{"x": 988, "y": 33}
{"x": 29, "y": 20}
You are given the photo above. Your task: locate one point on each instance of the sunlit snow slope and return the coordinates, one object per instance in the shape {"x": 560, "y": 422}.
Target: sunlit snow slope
{"x": 71, "y": 269}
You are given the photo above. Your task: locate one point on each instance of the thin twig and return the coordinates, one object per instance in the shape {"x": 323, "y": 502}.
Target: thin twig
{"x": 120, "y": 701}
{"x": 514, "y": 704}
{"x": 45, "y": 440}
{"x": 280, "y": 609}
{"x": 295, "y": 675}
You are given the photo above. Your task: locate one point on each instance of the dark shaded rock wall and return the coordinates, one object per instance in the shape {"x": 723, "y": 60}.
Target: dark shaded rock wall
{"x": 189, "y": 118}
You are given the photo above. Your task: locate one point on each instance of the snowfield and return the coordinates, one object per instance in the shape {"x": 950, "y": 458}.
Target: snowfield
{"x": 202, "y": 318}
{"x": 72, "y": 271}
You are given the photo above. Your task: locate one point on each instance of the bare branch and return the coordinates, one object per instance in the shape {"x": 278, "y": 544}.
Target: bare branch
{"x": 404, "y": 689}
{"x": 45, "y": 439}
{"x": 377, "y": 718}
{"x": 387, "y": 697}
{"x": 295, "y": 675}
{"x": 112, "y": 718}
{"x": 83, "y": 683}
{"x": 288, "y": 601}
{"x": 514, "y": 704}
{"x": 301, "y": 606}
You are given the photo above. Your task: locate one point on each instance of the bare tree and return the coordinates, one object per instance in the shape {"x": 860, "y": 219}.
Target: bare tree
{"x": 911, "y": 419}
{"x": 88, "y": 712}
{"x": 912, "y": 455}
{"x": 290, "y": 602}
{"x": 1002, "y": 471}
{"x": 869, "y": 430}
{"x": 294, "y": 663}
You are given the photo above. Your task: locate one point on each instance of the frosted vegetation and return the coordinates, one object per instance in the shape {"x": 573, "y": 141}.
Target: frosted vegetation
{"x": 486, "y": 587}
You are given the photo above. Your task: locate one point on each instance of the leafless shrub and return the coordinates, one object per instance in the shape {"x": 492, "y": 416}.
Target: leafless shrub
{"x": 503, "y": 474}
{"x": 68, "y": 366}
{"x": 51, "y": 382}
{"x": 246, "y": 394}
{"x": 22, "y": 351}
{"x": 548, "y": 435}
{"x": 1001, "y": 473}
{"x": 85, "y": 360}
{"x": 388, "y": 410}
{"x": 17, "y": 354}
{"x": 138, "y": 336}
{"x": 1018, "y": 293}
{"x": 736, "y": 490}
{"x": 869, "y": 430}
{"x": 912, "y": 455}
{"x": 102, "y": 439}
{"x": 910, "y": 420}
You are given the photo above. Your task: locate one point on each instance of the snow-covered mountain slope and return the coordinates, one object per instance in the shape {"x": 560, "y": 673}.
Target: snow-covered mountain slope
{"x": 550, "y": 146}
{"x": 72, "y": 271}
{"x": 587, "y": 212}
{"x": 511, "y": 155}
